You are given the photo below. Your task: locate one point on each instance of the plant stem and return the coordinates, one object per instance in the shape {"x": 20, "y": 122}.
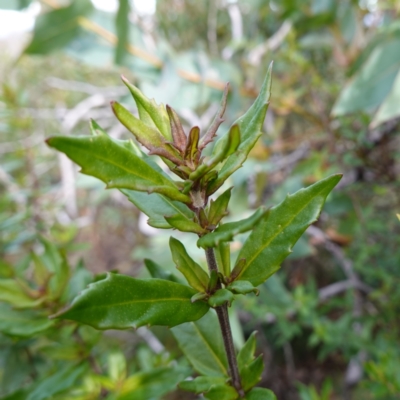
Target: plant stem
{"x": 223, "y": 318}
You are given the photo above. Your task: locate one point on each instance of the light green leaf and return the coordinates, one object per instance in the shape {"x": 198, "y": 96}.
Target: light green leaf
{"x": 156, "y": 207}
{"x": 183, "y": 224}
{"x": 202, "y": 384}
{"x": 223, "y": 255}
{"x": 121, "y": 302}
{"x": 226, "y": 232}
{"x": 148, "y": 136}
{"x": 389, "y": 109}
{"x": 22, "y": 323}
{"x": 153, "y": 384}
{"x": 260, "y": 394}
{"x": 202, "y": 344}
{"x": 222, "y": 392}
{"x": 150, "y": 112}
{"x": 194, "y": 274}
{"x": 219, "y": 207}
{"x": 278, "y": 231}
{"x": 242, "y": 287}
{"x": 246, "y": 353}
{"x": 13, "y": 293}
{"x": 55, "y": 29}
{"x": 156, "y": 271}
{"x": 367, "y": 90}
{"x": 220, "y": 297}
{"x": 251, "y": 374}
{"x": 122, "y": 29}
{"x": 250, "y": 125}
{"x": 111, "y": 161}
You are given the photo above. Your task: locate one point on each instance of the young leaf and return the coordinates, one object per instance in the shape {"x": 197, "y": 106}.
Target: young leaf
{"x": 220, "y": 297}
{"x": 194, "y": 274}
{"x": 278, "y": 231}
{"x": 13, "y": 293}
{"x": 202, "y": 384}
{"x": 191, "y": 151}
{"x": 156, "y": 207}
{"x": 183, "y": 224}
{"x": 150, "y": 112}
{"x": 202, "y": 344}
{"x": 223, "y": 254}
{"x": 110, "y": 161}
{"x": 178, "y": 134}
{"x": 226, "y": 232}
{"x": 158, "y": 272}
{"x": 121, "y": 302}
{"x": 250, "y": 125}
{"x": 251, "y": 374}
{"x": 260, "y": 394}
{"x": 242, "y": 287}
{"x": 219, "y": 207}
{"x": 246, "y": 353}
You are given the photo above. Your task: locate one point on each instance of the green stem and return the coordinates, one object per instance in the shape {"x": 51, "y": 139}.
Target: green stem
{"x": 223, "y": 318}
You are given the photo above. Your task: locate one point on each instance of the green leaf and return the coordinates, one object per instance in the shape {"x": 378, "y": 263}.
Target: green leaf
{"x": 242, "y": 287}
{"x": 202, "y": 384}
{"x": 183, "y": 224}
{"x": 63, "y": 379}
{"x": 260, "y": 394}
{"x": 219, "y": 207}
{"x": 156, "y": 207}
{"x": 222, "y": 392}
{"x": 110, "y": 161}
{"x": 194, "y": 274}
{"x": 367, "y": 90}
{"x": 220, "y": 297}
{"x": 150, "y": 112}
{"x": 122, "y": 29}
{"x": 121, "y": 302}
{"x": 278, "y": 231}
{"x": 156, "y": 271}
{"x": 153, "y": 384}
{"x": 22, "y": 323}
{"x": 55, "y": 29}
{"x": 146, "y": 135}
{"x": 246, "y": 353}
{"x": 223, "y": 255}
{"x": 251, "y": 374}
{"x": 250, "y": 125}
{"x": 202, "y": 344}
{"x": 13, "y": 293}
{"x": 226, "y": 232}
{"x": 389, "y": 108}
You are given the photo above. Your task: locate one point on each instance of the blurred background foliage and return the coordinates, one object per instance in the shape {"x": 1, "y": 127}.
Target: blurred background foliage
{"x": 327, "y": 323}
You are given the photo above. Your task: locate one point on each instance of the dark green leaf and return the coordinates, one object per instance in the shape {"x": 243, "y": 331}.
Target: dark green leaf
{"x": 156, "y": 207}
{"x": 121, "y": 302}
{"x": 55, "y": 29}
{"x": 150, "y": 112}
{"x": 278, "y": 231}
{"x": 122, "y": 29}
{"x": 202, "y": 344}
{"x": 22, "y": 323}
{"x": 219, "y": 207}
{"x": 221, "y": 297}
{"x": 250, "y": 125}
{"x": 251, "y": 374}
{"x": 156, "y": 271}
{"x": 194, "y": 274}
{"x": 242, "y": 287}
{"x": 260, "y": 394}
{"x": 226, "y": 232}
{"x": 184, "y": 224}
{"x": 110, "y": 161}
